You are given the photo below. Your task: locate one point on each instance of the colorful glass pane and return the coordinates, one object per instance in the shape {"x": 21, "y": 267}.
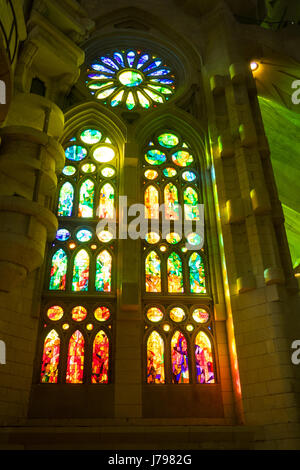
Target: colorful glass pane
{"x": 104, "y": 154}
{"x": 50, "y": 359}
{"x": 144, "y": 102}
{"x": 84, "y": 235}
{"x": 55, "y": 313}
{"x": 169, "y": 172}
{"x": 175, "y": 275}
{"x": 152, "y": 238}
{"x": 194, "y": 239}
{"x": 177, "y": 314}
{"x": 154, "y": 314}
{"x": 154, "y": 96}
{"x": 75, "y": 361}
{"x": 171, "y": 202}
{"x": 200, "y": 315}
{"x": 153, "y": 273}
{"x": 81, "y": 272}
{"x": 103, "y": 272}
{"x": 151, "y": 174}
{"x": 105, "y": 236}
{"x": 151, "y": 203}
{"x": 69, "y": 170}
{"x": 155, "y": 157}
{"x": 107, "y": 198}
{"x": 76, "y": 153}
{"x": 189, "y": 176}
{"x": 91, "y": 136}
{"x": 65, "y": 201}
{"x": 105, "y": 93}
{"x": 86, "y": 199}
{"x": 117, "y": 99}
{"x": 191, "y": 210}
{"x": 155, "y": 359}
{"x": 100, "y": 359}
{"x": 180, "y": 362}
{"x": 130, "y": 102}
{"x": 197, "y": 274}
{"x": 168, "y": 140}
{"x": 88, "y": 168}
{"x": 182, "y": 158}
{"x": 204, "y": 359}
{"x": 58, "y": 271}
{"x": 102, "y": 314}
{"x": 108, "y": 172}
{"x": 173, "y": 238}
{"x": 79, "y": 313}
{"x": 62, "y": 235}
{"x": 130, "y": 78}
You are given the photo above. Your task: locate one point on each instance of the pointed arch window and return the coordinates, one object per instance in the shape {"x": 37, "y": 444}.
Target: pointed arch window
{"x": 103, "y": 272}
{"x": 180, "y": 361}
{"x": 204, "y": 359}
{"x": 86, "y": 199}
{"x": 100, "y": 366}
{"x": 65, "y": 200}
{"x": 75, "y": 360}
{"x": 107, "y": 202}
{"x": 171, "y": 202}
{"x": 175, "y": 274}
{"x": 197, "y": 274}
{"x": 81, "y": 272}
{"x": 153, "y": 272}
{"x": 190, "y": 197}
{"x": 58, "y": 271}
{"x": 151, "y": 203}
{"x": 155, "y": 359}
{"x": 50, "y": 359}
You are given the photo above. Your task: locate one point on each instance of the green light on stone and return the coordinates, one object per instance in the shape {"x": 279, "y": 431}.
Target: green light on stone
{"x": 130, "y": 78}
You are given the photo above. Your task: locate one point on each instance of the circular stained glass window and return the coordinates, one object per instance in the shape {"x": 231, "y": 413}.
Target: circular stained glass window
{"x": 91, "y": 136}
{"x": 194, "y": 239}
{"x": 151, "y": 174}
{"x": 105, "y": 236}
{"x": 63, "y": 234}
{"x": 79, "y": 313}
{"x": 55, "y": 313}
{"x": 168, "y": 140}
{"x": 66, "y": 326}
{"x": 200, "y": 315}
{"x": 152, "y": 238}
{"x": 104, "y": 154}
{"x": 177, "y": 314}
{"x": 131, "y": 79}
{"x": 84, "y": 235}
{"x": 88, "y": 168}
{"x": 90, "y": 327}
{"x": 190, "y": 327}
{"x": 173, "y": 238}
{"x": 108, "y": 172}
{"x": 182, "y": 158}
{"x": 69, "y": 170}
{"x": 155, "y": 157}
{"x": 169, "y": 172}
{"x": 75, "y": 153}
{"x": 154, "y": 314}
{"x": 102, "y": 313}
{"x": 189, "y": 176}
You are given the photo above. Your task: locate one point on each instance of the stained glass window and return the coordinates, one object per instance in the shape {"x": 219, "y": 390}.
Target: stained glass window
{"x": 197, "y": 274}
{"x": 100, "y": 358}
{"x": 50, "y": 359}
{"x": 65, "y": 202}
{"x": 132, "y": 79}
{"x": 86, "y": 199}
{"x": 171, "y": 202}
{"x": 58, "y": 271}
{"x": 151, "y": 203}
{"x": 153, "y": 273}
{"x": 103, "y": 272}
{"x": 204, "y": 359}
{"x": 191, "y": 210}
{"x": 175, "y": 274}
{"x": 75, "y": 361}
{"x": 107, "y": 197}
{"x": 81, "y": 272}
{"x": 180, "y": 362}
{"x": 155, "y": 359}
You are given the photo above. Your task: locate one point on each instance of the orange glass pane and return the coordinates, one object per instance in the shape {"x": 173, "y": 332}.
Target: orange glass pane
{"x": 50, "y": 358}
{"x": 155, "y": 359}
{"x": 75, "y": 361}
{"x": 100, "y": 359}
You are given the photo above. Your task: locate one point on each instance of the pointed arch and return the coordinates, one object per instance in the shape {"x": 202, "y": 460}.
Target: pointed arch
{"x": 58, "y": 271}
{"x": 153, "y": 272}
{"x": 151, "y": 203}
{"x": 171, "y": 202}
{"x": 180, "y": 360}
{"x": 50, "y": 359}
{"x": 204, "y": 359}
{"x": 65, "y": 200}
{"x": 103, "y": 279}
{"x": 86, "y": 199}
{"x": 155, "y": 359}
{"x": 100, "y": 365}
{"x": 81, "y": 269}
{"x": 107, "y": 202}
{"x": 197, "y": 274}
{"x": 175, "y": 274}
{"x": 75, "y": 360}
{"x": 190, "y": 197}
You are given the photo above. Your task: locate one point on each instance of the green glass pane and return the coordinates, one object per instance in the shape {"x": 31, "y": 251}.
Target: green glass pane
{"x": 91, "y": 136}
{"x": 155, "y": 157}
{"x": 69, "y": 170}
{"x": 86, "y": 199}
{"x": 88, "y": 168}
{"x": 161, "y": 89}
{"x": 169, "y": 172}
{"x": 108, "y": 172}
{"x": 81, "y": 272}
{"x": 153, "y": 273}
{"x": 168, "y": 140}
{"x": 182, "y": 158}
{"x": 105, "y": 93}
{"x": 175, "y": 275}
{"x": 191, "y": 210}
{"x": 173, "y": 238}
{"x": 103, "y": 272}
{"x": 117, "y": 99}
{"x": 171, "y": 202}
{"x": 130, "y": 78}
{"x": 75, "y": 153}
{"x": 58, "y": 271}
{"x": 197, "y": 274}
{"x": 130, "y": 103}
{"x": 65, "y": 202}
